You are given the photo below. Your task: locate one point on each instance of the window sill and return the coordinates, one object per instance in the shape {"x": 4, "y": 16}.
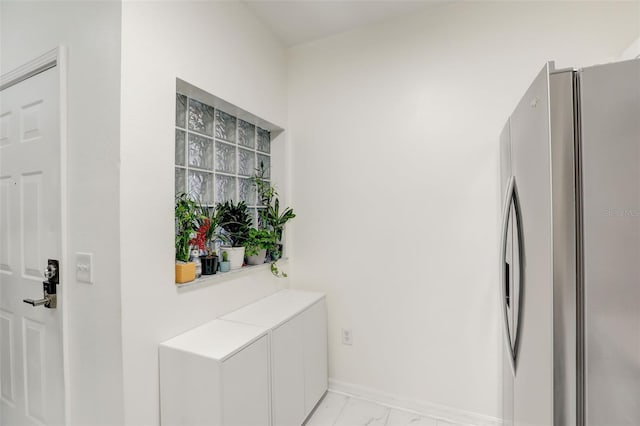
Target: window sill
{"x": 220, "y": 277}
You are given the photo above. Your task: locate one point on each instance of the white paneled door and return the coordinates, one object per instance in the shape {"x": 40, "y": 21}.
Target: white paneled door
{"x": 32, "y": 388}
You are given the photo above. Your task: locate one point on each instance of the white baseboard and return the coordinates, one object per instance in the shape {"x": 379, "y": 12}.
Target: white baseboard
{"x": 436, "y": 411}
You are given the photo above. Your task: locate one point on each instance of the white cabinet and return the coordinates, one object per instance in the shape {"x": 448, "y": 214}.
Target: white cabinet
{"x": 298, "y": 324}
{"x": 245, "y": 384}
{"x": 315, "y": 354}
{"x": 287, "y": 374}
{"x": 216, "y": 374}
{"x": 264, "y": 364}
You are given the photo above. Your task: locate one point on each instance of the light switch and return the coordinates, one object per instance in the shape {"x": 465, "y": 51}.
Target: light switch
{"x": 84, "y": 268}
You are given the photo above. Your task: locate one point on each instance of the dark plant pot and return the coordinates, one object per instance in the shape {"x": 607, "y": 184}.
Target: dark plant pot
{"x": 224, "y": 266}
{"x": 276, "y": 254}
{"x": 209, "y": 264}
{"x": 258, "y": 259}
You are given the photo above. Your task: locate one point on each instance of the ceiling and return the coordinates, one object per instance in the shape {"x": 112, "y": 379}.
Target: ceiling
{"x": 300, "y": 21}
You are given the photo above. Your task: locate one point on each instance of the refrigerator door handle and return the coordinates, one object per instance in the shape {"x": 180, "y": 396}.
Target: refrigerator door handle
{"x": 518, "y": 284}
{"x": 510, "y": 298}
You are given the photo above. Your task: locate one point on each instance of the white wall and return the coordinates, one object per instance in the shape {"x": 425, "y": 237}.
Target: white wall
{"x": 394, "y": 136}
{"x": 633, "y": 51}
{"x": 91, "y": 34}
{"x": 221, "y": 48}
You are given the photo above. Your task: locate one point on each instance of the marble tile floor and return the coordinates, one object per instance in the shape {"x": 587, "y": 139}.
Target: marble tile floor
{"x": 338, "y": 409}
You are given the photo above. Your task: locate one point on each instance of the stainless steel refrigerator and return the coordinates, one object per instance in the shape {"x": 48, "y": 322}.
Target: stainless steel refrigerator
{"x": 570, "y": 249}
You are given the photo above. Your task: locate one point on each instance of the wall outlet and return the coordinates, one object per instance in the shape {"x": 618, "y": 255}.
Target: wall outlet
{"x": 347, "y": 336}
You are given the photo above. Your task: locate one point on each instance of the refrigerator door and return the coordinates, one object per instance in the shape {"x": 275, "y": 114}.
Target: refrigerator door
{"x": 610, "y": 127}
{"x": 530, "y": 161}
{"x": 565, "y": 246}
{"x": 504, "y": 289}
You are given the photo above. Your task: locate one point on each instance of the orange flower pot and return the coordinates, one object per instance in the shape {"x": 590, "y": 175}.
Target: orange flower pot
{"x": 185, "y": 272}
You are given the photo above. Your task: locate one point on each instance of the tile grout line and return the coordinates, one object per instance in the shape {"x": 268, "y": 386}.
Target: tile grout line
{"x": 386, "y": 421}
{"x": 388, "y": 414}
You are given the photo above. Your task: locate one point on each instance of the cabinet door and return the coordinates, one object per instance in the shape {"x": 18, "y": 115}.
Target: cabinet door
{"x": 245, "y": 386}
{"x": 288, "y": 373}
{"x": 315, "y": 354}
{"x": 189, "y": 389}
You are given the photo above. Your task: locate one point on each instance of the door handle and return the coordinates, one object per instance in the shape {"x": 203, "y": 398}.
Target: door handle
{"x": 518, "y": 292}
{"x": 50, "y": 298}
{"x": 47, "y": 301}
{"x": 49, "y": 290}
{"x": 507, "y": 297}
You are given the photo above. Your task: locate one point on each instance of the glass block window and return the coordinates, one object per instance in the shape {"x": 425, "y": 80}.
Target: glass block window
{"x": 217, "y": 154}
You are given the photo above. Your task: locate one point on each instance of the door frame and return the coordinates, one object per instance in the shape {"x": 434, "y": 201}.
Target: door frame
{"x": 55, "y": 58}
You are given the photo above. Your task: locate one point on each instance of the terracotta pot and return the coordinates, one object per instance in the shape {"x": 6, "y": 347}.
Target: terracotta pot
{"x": 185, "y": 272}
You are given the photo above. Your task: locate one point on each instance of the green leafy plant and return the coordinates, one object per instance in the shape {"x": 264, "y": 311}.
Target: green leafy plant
{"x": 259, "y": 239}
{"x": 210, "y": 215}
{"x": 235, "y": 222}
{"x": 277, "y": 272}
{"x": 225, "y": 256}
{"x": 270, "y": 217}
{"x": 264, "y": 190}
{"x": 186, "y": 223}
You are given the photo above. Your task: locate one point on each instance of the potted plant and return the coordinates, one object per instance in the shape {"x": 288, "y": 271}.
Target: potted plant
{"x": 235, "y": 222}
{"x": 186, "y": 224}
{"x": 275, "y": 220}
{"x": 224, "y": 265}
{"x": 209, "y": 258}
{"x": 209, "y": 263}
{"x": 264, "y": 189}
{"x": 270, "y": 216}
{"x": 257, "y": 243}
